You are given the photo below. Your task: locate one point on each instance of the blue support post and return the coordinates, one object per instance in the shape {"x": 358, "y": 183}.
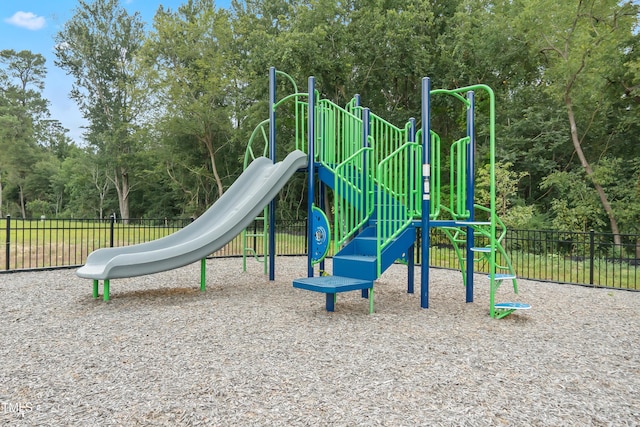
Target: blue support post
{"x": 366, "y": 131}
{"x": 471, "y": 148}
{"x": 322, "y": 190}
{"x": 330, "y": 302}
{"x": 426, "y": 191}
{"x": 311, "y": 137}
{"x": 272, "y": 156}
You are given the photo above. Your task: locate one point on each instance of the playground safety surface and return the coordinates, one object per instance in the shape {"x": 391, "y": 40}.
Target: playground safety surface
{"x": 253, "y": 352}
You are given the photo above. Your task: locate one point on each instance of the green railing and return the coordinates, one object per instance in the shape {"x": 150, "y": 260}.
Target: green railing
{"x": 458, "y": 179}
{"x": 258, "y": 143}
{"x": 399, "y": 178}
{"x": 339, "y": 147}
{"x": 387, "y": 138}
{"x": 396, "y": 173}
{"x": 300, "y": 112}
{"x": 354, "y": 196}
{"x": 338, "y": 132}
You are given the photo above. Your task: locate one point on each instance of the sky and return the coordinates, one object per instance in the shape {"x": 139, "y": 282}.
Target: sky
{"x": 32, "y": 25}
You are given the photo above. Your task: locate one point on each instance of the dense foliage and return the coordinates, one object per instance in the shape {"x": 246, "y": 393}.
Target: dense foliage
{"x": 171, "y": 107}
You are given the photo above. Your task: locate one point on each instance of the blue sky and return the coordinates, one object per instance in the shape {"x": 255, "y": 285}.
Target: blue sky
{"x": 32, "y": 24}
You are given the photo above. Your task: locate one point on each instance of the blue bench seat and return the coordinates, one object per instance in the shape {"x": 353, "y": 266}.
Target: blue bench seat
{"x": 331, "y": 285}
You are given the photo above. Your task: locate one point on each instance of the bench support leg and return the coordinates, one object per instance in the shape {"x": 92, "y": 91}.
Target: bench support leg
{"x": 106, "y": 289}
{"x": 95, "y": 289}
{"x": 331, "y": 300}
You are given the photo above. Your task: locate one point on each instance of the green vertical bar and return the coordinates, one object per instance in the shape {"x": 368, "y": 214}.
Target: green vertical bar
{"x": 95, "y": 289}
{"x": 203, "y": 274}
{"x": 371, "y": 300}
{"x": 106, "y": 289}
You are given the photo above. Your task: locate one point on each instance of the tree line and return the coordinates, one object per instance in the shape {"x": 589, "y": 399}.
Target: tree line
{"x": 170, "y": 105}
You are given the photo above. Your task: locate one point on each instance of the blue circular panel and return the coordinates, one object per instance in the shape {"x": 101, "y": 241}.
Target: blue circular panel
{"x": 321, "y": 235}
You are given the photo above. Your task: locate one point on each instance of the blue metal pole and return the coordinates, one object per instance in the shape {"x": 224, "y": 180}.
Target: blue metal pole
{"x": 272, "y": 156}
{"x": 311, "y": 137}
{"x": 364, "y": 179}
{"x": 322, "y": 191}
{"x": 426, "y": 191}
{"x": 471, "y": 148}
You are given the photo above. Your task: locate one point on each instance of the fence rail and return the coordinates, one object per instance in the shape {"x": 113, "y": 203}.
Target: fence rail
{"x": 586, "y": 258}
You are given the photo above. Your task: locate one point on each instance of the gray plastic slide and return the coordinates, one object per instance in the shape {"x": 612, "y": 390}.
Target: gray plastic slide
{"x": 225, "y": 219}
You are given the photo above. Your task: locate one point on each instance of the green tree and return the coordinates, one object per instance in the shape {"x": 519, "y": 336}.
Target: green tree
{"x": 191, "y": 52}
{"x": 577, "y": 42}
{"x": 98, "y": 47}
{"x": 22, "y": 111}
{"x": 86, "y": 184}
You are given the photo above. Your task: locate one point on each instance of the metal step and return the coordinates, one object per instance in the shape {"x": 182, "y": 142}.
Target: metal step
{"x": 331, "y": 285}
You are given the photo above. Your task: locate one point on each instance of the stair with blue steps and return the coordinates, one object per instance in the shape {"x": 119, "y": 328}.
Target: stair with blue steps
{"x": 355, "y": 266}
{"x": 358, "y": 259}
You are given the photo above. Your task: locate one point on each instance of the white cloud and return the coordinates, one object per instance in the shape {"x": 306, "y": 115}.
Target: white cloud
{"x": 27, "y": 20}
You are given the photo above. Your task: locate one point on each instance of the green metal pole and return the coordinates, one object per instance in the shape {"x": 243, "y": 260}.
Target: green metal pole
{"x": 106, "y": 289}
{"x": 203, "y": 274}
{"x": 95, "y": 289}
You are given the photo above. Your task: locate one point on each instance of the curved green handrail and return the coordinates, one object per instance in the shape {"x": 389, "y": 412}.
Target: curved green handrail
{"x": 262, "y": 129}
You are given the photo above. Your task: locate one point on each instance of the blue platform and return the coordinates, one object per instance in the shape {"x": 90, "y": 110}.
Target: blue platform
{"x": 331, "y": 285}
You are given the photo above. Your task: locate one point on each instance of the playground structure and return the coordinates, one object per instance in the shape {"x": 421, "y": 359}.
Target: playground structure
{"x": 386, "y": 183}
{"x": 383, "y": 179}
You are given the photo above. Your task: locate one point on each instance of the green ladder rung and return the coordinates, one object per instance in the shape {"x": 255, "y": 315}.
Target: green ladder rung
{"x": 503, "y": 276}
{"x": 473, "y": 223}
{"x": 512, "y": 306}
{"x": 483, "y": 250}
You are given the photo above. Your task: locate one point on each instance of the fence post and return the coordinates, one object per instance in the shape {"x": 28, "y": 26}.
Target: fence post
{"x": 591, "y": 255}
{"x": 306, "y": 234}
{"x": 418, "y": 259}
{"x": 8, "y": 243}
{"x": 112, "y": 225}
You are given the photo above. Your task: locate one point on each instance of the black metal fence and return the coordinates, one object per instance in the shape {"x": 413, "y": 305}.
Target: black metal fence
{"x": 567, "y": 257}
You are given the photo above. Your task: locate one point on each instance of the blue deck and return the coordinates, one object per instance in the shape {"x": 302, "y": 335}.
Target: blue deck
{"x": 331, "y": 285}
